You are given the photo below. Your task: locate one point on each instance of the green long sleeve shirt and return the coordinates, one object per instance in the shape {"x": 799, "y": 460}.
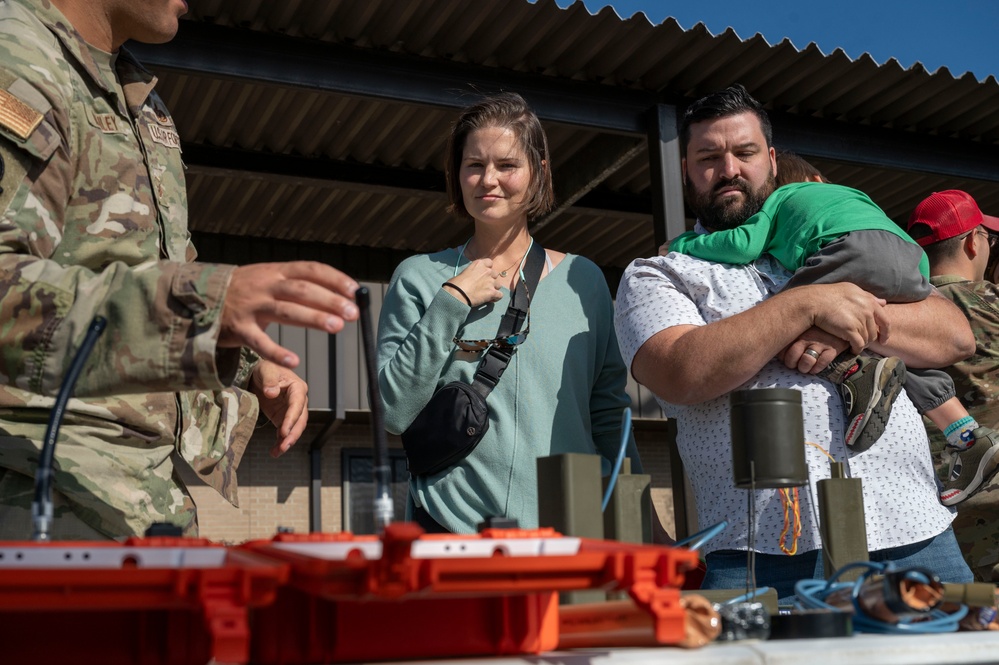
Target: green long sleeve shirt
{"x": 796, "y": 221}
{"x": 563, "y": 391}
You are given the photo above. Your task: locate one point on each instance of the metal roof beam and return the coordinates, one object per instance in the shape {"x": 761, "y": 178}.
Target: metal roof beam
{"x": 260, "y": 57}
{"x": 330, "y": 174}
{"x": 892, "y": 149}
{"x": 322, "y": 173}
{"x": 666, "y": 176}
{"x": 587, "y": 169}
{"x": 202, "y": 49}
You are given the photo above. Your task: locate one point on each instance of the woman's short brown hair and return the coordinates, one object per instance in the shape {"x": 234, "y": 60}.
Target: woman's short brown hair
{"x": 507, "y": 110}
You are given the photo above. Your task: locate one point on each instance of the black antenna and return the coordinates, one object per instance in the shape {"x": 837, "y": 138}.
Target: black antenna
{"x": 382, "y": 473}
{"x": 41, "y": 505}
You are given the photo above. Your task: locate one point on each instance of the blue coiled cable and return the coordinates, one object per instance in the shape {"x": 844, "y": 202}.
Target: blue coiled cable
{"x": 812, "y": 594}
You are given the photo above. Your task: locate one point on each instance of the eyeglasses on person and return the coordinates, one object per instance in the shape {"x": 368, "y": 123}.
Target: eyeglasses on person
{"x": 990, "y": 236}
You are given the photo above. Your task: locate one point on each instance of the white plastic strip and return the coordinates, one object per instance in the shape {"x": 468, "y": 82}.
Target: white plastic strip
{"x": 68, "y": 556}
{"x": 479, "y": 548}
{"x": 370, "y": 550}
{"x": 450, "y": 548}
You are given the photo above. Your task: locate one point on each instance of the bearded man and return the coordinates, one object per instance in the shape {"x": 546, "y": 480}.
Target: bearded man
{"x": 693, "y": 331}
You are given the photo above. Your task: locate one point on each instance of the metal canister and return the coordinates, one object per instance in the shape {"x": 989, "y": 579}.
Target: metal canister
{"x": 768, "y": 438}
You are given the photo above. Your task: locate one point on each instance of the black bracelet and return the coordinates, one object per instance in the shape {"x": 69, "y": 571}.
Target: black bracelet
{"x": 458, "y": 289}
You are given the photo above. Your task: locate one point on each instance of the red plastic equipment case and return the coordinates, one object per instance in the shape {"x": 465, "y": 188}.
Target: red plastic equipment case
{"x": 156, "y": 601}
{"x": 415, "y": 595}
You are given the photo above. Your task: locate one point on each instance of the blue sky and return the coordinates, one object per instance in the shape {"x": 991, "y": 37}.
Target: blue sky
{"x": 962, "y": 35}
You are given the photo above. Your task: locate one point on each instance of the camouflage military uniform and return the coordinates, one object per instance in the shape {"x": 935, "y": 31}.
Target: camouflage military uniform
{"x": 977, "y": 383}
{"x": 93, "y": 220}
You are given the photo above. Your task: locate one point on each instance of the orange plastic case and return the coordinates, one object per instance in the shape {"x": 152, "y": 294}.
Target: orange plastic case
{"x": 153, "y": 600}
{"x": 415, "y": 595}
{"x": 318, "y": 598}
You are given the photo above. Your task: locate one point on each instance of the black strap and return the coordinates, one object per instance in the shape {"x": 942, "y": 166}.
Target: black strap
{"x": 533, "y": 267}
{"x": 496, "y": 358}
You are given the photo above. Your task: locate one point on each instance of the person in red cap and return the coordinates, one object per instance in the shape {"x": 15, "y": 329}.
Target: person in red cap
{"x": 959, "y": 239}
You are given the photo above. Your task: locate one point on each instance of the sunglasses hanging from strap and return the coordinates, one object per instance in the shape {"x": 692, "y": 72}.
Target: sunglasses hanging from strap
{"x": 497, "y": 356}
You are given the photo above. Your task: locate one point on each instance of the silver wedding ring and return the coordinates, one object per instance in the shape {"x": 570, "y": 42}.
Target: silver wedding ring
{"x": 812, "y": 352}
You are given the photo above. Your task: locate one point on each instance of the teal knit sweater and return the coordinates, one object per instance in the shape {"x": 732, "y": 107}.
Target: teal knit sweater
{"x": 563, "y": 391}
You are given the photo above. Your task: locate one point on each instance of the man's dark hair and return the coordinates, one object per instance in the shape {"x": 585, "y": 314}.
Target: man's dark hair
{"x": 943, "y": 250}
{"x": 733, "y": 100}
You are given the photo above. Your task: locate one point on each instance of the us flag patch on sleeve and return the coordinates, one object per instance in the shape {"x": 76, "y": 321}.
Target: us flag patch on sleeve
{"x": 17, "y": 117}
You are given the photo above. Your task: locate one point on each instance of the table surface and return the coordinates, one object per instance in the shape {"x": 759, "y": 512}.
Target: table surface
{"x": 929, "y": 649}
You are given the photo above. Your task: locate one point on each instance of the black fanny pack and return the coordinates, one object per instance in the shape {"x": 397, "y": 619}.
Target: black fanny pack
{"x": 447, "y": 429}
{"x": 453, "y": 422}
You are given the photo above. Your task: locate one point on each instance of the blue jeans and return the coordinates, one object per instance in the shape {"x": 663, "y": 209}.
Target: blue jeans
{"x": 727, "y": 568}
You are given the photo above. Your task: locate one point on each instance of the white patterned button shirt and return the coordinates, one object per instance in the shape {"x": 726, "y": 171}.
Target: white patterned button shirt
{"x": 900, "y": 494}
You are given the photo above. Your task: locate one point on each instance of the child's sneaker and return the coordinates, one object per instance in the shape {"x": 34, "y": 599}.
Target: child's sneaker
{"x": 971, "y": 467}
{"x": 869, "y": 389}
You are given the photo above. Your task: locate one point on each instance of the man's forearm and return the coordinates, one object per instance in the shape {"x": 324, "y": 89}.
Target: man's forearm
{"x": 692, "y": 364}
{"x": 929, "y": 333}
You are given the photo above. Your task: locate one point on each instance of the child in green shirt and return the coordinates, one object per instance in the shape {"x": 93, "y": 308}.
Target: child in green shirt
{"x": 828, "y": 233}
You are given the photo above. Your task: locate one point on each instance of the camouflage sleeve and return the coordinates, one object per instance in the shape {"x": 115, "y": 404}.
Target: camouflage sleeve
{"x": 164, "y": 316}
{"x": 976, "y": 379}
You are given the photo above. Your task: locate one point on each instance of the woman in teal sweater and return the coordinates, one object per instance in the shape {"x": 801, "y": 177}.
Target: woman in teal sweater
{"x": 564, "y": 388}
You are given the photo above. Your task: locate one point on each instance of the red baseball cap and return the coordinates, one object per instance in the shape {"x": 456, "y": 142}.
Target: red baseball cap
{"x": 947, "y": 214}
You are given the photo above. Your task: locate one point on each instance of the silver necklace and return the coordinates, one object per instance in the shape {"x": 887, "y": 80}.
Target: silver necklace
{"x": 503, "y": 273}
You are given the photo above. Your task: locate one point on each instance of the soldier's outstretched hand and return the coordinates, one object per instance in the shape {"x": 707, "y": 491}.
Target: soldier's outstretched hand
{"x": 306, "y": 294}
{"x": 284, "y": 399}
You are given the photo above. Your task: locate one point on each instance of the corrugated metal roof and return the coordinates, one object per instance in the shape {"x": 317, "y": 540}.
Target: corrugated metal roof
{"x": 675, "y": 64}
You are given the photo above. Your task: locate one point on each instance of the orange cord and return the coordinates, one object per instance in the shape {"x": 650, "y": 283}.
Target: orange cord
{"x": 792, "y": 512}
{"x": 792, "y": 516}
{"x": 821, "y": 449}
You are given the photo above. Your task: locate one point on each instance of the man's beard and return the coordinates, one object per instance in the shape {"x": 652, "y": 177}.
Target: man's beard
{"x": 723, "y": 214}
